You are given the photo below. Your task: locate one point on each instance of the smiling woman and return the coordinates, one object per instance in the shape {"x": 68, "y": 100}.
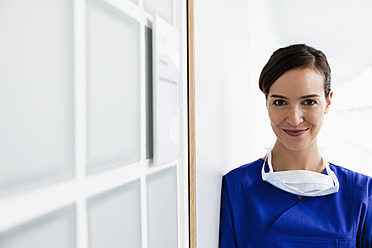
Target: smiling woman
{"x": 296, "y": 106}
{"x": 294, "y": 197}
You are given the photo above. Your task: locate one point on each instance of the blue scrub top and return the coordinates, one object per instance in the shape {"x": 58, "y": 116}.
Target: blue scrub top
{"x": 256, "y": 214}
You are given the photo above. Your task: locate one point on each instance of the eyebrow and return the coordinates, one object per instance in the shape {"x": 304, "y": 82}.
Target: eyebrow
{"x": 279, "y": 96}
{"x": 302, "y": 97}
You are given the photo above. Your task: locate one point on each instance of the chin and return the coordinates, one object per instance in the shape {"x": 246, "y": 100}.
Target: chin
{"x": 296, "y": 146}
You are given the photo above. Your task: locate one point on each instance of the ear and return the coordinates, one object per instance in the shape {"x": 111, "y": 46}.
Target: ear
{"x": 328, "y": 102}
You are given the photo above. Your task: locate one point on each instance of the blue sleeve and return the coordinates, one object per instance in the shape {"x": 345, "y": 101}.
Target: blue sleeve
{"x": 227, "y": 233}
{"x": 367, "y": 230}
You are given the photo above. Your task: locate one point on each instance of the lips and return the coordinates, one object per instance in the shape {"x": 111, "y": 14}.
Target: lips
{"x": 295, "y": 132}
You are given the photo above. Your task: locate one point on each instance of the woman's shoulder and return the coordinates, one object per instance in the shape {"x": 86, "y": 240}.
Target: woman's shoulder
{"x": 244, "y": 176}
{"x": 358, "y": 182}
{"x": 249, "y": 169}
{"x": 340, "y": 170}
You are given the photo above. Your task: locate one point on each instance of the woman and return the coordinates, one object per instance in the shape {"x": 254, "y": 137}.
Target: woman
{"x": 293, "y": 197}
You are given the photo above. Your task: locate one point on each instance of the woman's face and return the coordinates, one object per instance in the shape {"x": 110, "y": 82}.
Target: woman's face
{"x": 296, "y": 106}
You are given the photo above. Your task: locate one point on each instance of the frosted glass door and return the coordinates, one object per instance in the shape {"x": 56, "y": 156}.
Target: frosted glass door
{"x": 115, "y": 218}
{"x": 113, "y": 87}
{"x": 56, "y": 229}
{"x": 162, "y": 209}
{"x": 164, "y": 8}
{"x": 36, "y": 93}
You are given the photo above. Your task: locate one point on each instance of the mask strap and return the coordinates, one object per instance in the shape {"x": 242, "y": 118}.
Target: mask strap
{"x": 268, "y": 157}
{"x": 329, "y": 171}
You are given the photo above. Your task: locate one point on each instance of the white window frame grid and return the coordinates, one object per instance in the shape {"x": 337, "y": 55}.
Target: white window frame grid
{"x": 17, "y": 209}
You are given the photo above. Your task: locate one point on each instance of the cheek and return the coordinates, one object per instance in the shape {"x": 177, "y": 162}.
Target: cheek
{"x": 276, "y": 117}
{"x": 315, "y": 117}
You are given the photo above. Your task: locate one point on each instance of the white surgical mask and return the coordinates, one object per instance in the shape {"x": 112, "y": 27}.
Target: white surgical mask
{"x": 302, "y": 182}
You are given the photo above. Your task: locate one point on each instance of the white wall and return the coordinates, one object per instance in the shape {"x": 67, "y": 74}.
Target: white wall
{"x": 347, "y": 132}
{"x": 233, "y": 41}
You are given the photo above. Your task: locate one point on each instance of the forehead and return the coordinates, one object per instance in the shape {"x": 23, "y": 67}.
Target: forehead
{"x": 298, "y": 82}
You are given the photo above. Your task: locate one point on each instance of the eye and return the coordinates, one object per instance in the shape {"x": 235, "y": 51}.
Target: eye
{"x": 279, "y": 102}
{"x": 309, "y": 102}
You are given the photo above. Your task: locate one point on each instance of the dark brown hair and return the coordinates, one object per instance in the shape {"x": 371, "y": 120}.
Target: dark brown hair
{"x": 292, "y": 57}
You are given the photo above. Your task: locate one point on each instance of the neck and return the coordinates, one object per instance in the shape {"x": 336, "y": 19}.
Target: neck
{"x": 308, "y": 158}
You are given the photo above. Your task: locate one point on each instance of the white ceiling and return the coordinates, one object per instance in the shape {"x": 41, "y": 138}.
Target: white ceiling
{"x": 342, "y": 29}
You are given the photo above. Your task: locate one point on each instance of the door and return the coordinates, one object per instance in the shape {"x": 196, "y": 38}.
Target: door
{"x": 76, "y": 126}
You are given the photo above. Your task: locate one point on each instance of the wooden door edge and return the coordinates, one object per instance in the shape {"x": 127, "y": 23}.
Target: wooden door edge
{"x": 191, "y": 123}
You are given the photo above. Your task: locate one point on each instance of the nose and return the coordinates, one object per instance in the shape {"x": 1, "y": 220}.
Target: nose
{"x": 295, "y": 116}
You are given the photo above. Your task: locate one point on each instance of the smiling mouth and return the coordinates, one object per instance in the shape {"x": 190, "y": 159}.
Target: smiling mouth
{"x": 295, "y": 132}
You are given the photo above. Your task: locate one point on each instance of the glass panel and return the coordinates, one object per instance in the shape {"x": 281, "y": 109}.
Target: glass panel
{"x": 149, "y": 92}
{"x": 113, "y": 87}
{"x": 115, "y": 218}
{"x": 36, "y": 93}
{"x": 162, "y": 209}
{"x": 57, "y": 230}
{"x": 163, "y": 8}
